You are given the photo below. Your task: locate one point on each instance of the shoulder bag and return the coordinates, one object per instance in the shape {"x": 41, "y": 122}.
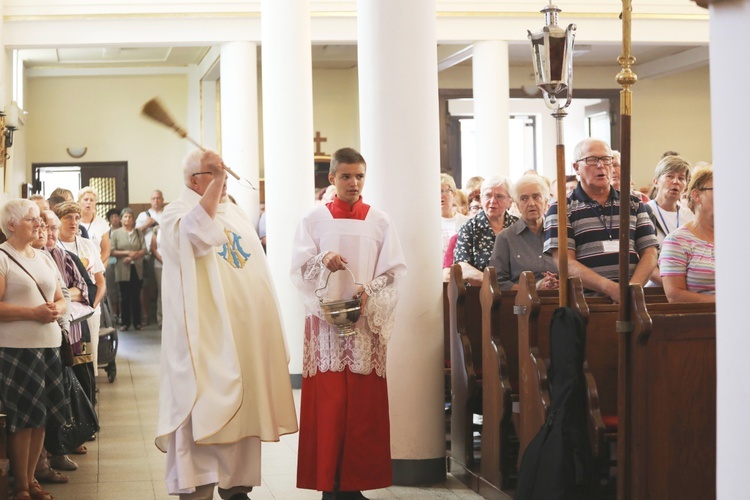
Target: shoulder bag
{"x": 66, "y": 350}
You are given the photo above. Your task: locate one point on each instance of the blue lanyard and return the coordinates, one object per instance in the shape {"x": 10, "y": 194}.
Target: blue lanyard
{"x": 666, "y": 228}
{"x": 601, "y": 219}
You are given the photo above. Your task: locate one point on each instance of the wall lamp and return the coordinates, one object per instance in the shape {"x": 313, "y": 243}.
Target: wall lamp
{"x": 11, "y": 122}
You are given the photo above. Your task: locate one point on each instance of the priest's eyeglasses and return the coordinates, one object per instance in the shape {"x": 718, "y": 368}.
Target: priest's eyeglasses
{"x": 594, "y": 160}
{"x": 201, "y": 173}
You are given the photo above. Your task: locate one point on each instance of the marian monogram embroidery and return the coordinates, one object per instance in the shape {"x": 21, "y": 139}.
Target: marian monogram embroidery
{"x": 232, "y": 251}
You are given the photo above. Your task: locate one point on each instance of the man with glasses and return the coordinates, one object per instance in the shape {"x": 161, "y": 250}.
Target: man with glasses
{"x": 594, "y": 226}
{"x": 225, "y": 384}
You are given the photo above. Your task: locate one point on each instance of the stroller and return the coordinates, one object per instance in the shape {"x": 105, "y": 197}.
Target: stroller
{"x": 107, "y": 342}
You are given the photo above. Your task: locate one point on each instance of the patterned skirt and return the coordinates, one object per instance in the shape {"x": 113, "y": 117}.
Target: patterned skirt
{"x": 31, "y": 387}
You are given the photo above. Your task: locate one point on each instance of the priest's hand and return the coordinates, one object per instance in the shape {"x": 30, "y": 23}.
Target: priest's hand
{"x": 334, "y": 261}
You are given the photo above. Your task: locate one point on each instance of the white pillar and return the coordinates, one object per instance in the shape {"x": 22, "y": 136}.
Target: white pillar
{"x": 208, "y": 104}
{"x": 239, "y": 122}
{"x": 400, "y": 141}
{"x": 288, "y": 150}
{"x": 491, "y": 108}
{"x": 730, "y": 65}
{"x": 193, "y": 124}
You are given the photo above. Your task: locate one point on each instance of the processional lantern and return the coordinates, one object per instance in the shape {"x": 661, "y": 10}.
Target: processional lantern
{"x": 552, "y": 56}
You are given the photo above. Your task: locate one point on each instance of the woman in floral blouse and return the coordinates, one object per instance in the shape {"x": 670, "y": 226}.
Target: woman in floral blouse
{"x": 476, "y": 238}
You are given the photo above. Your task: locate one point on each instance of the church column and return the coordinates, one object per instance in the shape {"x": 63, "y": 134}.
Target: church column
{"x": 400, "y": 141}
{"x": 730, "y": 66}
{"x": 239, "y": 121}
{"x": 491, "y": 109}
{"x": 288, "y": 150}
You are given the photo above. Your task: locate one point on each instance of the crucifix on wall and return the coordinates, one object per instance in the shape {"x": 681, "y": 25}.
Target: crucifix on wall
{"x": 318, "y": 140}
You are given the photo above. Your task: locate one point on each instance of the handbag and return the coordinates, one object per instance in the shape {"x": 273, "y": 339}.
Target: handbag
{"x": 83, "y": 424}
{"x": 66, "y": 350}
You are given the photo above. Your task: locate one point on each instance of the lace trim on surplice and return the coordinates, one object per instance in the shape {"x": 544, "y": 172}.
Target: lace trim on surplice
{"x": 363, "y": 352}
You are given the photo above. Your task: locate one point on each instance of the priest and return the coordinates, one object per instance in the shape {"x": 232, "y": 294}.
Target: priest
{"x": 225, "y": 383}
{"x": 344, "y": 444}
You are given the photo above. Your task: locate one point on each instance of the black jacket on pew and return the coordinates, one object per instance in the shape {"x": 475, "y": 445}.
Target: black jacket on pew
{"x": 558, "y": 464}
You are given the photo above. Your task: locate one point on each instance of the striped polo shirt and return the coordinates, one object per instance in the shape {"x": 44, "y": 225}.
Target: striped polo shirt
{"x": 684, "y": 254}
{"x": 590, "y": 225}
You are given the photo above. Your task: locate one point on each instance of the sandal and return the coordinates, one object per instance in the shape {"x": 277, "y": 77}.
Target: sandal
{"x": 50, "y": 476}
{"x": 37, "y": 493}
{"x": 81, "y": 450}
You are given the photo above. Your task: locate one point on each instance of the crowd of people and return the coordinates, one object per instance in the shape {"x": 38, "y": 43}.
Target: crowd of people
{"x": 225, "y": 385}
{"x": 61, "y": 263}
{"x": 516, "y": 229}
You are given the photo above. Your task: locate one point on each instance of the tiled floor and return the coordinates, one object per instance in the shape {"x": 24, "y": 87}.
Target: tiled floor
{"x": 123, "y": 462}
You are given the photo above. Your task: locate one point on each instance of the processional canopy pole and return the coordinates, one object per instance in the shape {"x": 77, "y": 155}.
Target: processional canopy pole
{"x": 626, "y": 78}
{"x": 552, "y": 55}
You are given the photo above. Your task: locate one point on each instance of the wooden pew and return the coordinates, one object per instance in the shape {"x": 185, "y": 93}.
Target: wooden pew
{"x": 672, "y": 393}
{"x": 499, "y": 386}
{"x": 534, "y": 315}
{"x": 466, "y": 366}
{"x": 533, "y": 310}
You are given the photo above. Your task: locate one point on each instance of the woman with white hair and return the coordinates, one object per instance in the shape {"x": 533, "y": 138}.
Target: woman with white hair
{"x": 31, "y": 385}
{"x": 476, "y": 238}
{"x": 520, "y": 247}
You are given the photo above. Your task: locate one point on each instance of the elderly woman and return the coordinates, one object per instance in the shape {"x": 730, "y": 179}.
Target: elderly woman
{"x": 129, "y": 246}
{"x": 671, "y": 177}
{"x": 96, "y": 227}
{"x": 69, "y": 214}
{"x": 520, "y": 247}
{"x": 476, "y": 238}
{"x": 687, "y": 260}
{"x": 31, "y": 386}
{"x": 451, "y": 219}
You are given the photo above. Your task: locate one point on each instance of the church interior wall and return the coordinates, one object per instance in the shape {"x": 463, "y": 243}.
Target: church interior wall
{"x": 335, "y": 108}
{"x": 103, "y": 113}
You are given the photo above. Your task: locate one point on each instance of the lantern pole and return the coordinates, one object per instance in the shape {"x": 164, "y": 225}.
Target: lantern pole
{"x": 552, "y": 51}
{"x": 626, "y": 78}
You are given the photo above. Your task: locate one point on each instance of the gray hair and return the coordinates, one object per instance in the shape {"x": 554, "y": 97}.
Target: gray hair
{"x": 49, "y": 215}
{"x": 13, "y": 211}
{"x": 494, "y": 181}
{"x": 191, "y": 165}
{"x": 578, "y": 150}
{"x": 675, "y": 164}
{"x": 124, "y": 211}
{"x": 530, "y": 180}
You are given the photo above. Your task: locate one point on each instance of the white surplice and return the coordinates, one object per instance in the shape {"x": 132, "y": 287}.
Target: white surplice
{"x": 225, "y": 382}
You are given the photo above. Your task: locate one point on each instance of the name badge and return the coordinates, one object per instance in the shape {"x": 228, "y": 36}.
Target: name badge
{"x": 611, "y": 246}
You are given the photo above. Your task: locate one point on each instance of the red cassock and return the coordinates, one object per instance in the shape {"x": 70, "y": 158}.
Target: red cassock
{"x": 344, "y": 423}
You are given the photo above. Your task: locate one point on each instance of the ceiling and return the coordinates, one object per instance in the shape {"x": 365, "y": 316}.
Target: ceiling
{"x": 323, "y": 56}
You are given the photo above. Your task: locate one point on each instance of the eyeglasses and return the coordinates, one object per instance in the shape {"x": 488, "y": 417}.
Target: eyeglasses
{"x": 594, "y": 160}
{"x": 705, "y": 189}
{"x": 32, "y": 220}
{"x": 446, "y": 190}
{"x": 475, "y": 208}
{"x": 499, "y": 197}
{"x": 201, "y": 173}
